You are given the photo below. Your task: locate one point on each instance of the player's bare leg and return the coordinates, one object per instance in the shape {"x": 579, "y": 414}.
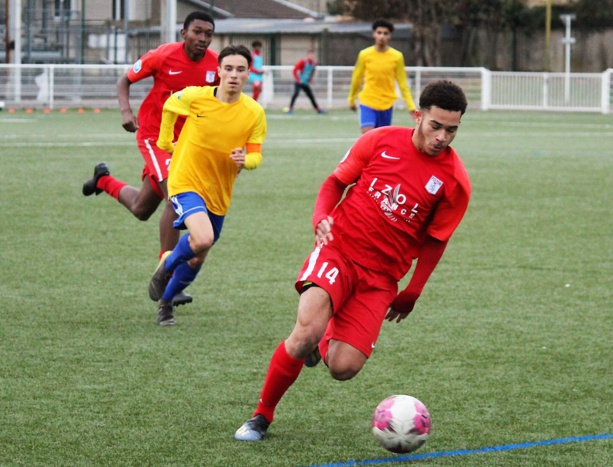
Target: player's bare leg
{"x": 141, "y": 202}
{"x": 344, "y": 361}
{"x": 314, "y": 312}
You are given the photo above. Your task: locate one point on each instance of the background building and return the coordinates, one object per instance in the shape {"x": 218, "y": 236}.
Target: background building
{"x": 119, "y": 31}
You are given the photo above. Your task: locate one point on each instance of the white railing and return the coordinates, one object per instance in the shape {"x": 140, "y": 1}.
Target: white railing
{"x": 54, "y": 86}
{"x": 573, "y": 92}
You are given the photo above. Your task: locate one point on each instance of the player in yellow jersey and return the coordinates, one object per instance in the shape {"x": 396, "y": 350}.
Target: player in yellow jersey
{"x": 223, "y": 133}
{"x": 378, "y": 68}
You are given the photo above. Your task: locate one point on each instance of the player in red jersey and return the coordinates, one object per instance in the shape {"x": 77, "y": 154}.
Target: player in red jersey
{"x": 173, "y": 66}
{"x": 410, "y": 191}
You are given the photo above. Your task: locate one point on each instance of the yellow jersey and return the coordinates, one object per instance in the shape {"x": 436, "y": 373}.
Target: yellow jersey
{"x": 379, "y": 71}
{"x": 201, "y": 159}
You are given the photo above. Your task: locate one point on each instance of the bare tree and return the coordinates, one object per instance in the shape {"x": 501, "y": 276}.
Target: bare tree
{"x": 428, "y": 18}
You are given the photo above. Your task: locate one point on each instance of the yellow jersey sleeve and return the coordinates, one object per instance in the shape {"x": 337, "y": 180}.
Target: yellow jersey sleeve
{"x": 401, "y": 79}
{"x": 356, "y": 78}
{"x": 201, "y": 162}
{"x": 177, "y": 104}
{"x": 254, "y": 157}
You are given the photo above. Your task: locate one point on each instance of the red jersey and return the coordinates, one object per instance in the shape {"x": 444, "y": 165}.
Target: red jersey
{"x": 172, "y": 70}
{"x": 400, "y": 195}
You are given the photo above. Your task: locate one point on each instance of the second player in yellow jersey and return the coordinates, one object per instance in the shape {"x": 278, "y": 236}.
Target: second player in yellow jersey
{"x": 222, "y": 135}
{"x": 377, "y": 70}
{"x": 201, "y": 161}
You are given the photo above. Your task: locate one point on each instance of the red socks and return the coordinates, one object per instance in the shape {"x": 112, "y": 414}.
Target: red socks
{"x": 111, "y": 185}
{"x": 282, "y": 373}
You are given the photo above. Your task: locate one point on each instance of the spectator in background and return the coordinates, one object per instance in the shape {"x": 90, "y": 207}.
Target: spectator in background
{"x": 257, "y": 69}
{"x": 304, "y": 71}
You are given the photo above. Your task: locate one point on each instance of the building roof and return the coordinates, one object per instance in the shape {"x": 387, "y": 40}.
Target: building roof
{"x": 279, "y": 9}
{"x": 308, "y": 26}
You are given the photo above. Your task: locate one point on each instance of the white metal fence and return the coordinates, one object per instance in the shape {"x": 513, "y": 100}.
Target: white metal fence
{"x": 53, "y": 86}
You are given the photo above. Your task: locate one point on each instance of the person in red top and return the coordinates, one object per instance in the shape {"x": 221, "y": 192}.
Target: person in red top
{"x": 257, "y": 69}
{"x": 409, "y": 192}
{"x": 173, "y": 67}
{"x": 304, "y": 71}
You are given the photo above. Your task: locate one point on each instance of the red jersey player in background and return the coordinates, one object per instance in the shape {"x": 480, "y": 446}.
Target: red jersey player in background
{"x": 173, "y": 66}
{"x": 410, "y": 191}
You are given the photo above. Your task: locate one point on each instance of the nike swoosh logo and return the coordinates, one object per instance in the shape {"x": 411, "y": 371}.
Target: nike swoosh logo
{"x": 389, "y": 157}
{"x": 170, "y": 72}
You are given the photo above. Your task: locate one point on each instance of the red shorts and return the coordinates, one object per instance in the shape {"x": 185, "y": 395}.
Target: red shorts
{"x": 157, "y": 160}
{"x": 360, "y": 297}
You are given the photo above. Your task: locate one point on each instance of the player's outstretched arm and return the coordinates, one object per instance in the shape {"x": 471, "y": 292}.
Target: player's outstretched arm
{"x": 129, "y": 121}
{"x": 330, "y": 194}
{"x": 429, "y": 256}
{"x": 356, "y": 81}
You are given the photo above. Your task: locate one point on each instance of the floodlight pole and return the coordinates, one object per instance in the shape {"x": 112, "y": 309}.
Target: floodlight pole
{"x": 548, "y": 36}
{"x": 169, "y": 21}
{"x": 567, "y": 41}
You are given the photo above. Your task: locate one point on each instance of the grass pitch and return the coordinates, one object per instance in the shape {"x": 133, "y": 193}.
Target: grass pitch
{"x": 510, "y": 343}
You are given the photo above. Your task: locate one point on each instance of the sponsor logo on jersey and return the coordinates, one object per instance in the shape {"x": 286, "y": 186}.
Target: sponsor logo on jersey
{"x": 210, "y": 77}
{"x": 170, "y": 72}
{"x": 433, "y": 185}
{"x": 393, "y": 202}
{"x": 137, "y": 66}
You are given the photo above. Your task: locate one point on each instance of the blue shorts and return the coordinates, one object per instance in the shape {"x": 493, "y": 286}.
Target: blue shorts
{"x": 375, "y": 118}
{"x": 186, "y": 204}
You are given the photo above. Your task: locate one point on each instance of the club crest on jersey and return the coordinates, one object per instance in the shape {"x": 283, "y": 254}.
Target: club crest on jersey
{"x": 210, "y": 77}
{"x": 137, "y": 66}
{"x": 433, "y": 185}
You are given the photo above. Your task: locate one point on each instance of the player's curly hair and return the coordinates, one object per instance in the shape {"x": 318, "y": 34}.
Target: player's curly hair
{"x": 445, "y": 95}
{"x": 201, "y": 15}
{"x": 383, "y": 23}
{"x": 235, "y": 49}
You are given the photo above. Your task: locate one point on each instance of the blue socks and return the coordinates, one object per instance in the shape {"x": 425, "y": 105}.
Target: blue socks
{"x": 180, "y": 254}
{"x": 183, "y": 274}
{"x": 182, "y": 277}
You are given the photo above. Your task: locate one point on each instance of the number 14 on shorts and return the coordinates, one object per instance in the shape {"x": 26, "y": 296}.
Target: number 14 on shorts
{"x": 329, "y": 274}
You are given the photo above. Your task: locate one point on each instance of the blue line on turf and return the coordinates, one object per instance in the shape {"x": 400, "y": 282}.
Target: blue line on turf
{"x": 465, "y": 452}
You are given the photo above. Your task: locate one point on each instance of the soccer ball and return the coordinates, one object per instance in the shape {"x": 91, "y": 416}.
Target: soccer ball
{"x": 401, "y": 424}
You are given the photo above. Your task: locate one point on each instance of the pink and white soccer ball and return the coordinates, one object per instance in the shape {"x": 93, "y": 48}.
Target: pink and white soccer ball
{"x": 401, "y": 424}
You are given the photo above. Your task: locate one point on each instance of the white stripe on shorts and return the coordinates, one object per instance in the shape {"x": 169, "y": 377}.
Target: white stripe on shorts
{"x": 154, "y": 159}
{"x": 312, "y": 261}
